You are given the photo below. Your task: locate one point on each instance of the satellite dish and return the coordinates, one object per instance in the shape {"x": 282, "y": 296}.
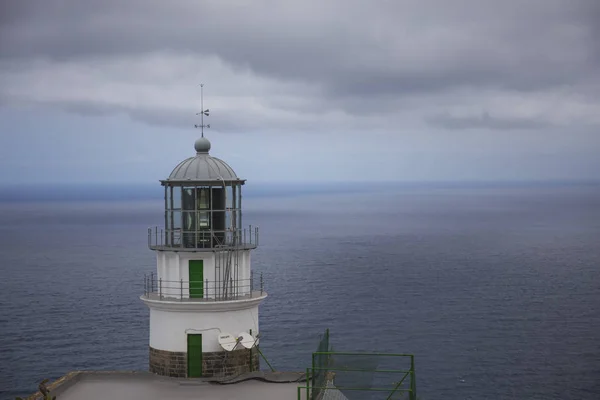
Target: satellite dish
{"x": 227, "y": 341}
{"x": 246, "y": 340}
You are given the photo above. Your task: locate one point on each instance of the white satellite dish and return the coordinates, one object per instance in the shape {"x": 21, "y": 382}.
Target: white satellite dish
{"x": 227, "y": 341}
{"x": 246, "y": 340}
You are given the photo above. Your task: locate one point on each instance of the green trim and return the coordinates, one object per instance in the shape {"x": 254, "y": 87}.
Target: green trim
{"x": 194, "y": 355}
{"x": 196, "y": 279}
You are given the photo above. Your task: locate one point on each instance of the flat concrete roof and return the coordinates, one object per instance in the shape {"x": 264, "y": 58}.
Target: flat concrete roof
{"x": 97, "y": 385}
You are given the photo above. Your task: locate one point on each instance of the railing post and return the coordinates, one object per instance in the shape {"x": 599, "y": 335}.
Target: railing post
{"x": 149, "y": 237}
{"x": 181, "y": 293}
{"x": 152, "y": 282}
{"x": 250, "y": 233}
{"x": 155, "y": 235}
{"x": 206, "y": 290}
{"x": 256, "y": 235}
{"x": 161, "y": 237}
{"x": 145, "y": 285}
{"x": 251, "y": 282}
{"x": 160, "y": 288}
{"x": 244, "y": 235}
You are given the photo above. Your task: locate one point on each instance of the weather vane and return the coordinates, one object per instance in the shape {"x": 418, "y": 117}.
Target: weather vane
{"x": 203, "y": 112}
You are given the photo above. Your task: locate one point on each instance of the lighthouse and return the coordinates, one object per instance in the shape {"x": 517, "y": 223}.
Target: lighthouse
{"x": 203, "y": 298}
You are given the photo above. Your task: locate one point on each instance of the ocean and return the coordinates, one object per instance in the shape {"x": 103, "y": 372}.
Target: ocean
{"x": 494, "y": 288}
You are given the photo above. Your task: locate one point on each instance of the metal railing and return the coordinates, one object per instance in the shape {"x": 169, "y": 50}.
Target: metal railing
{"x": 333, "y": 372}
{"x": 202, "y": 291}
{"x": 159, "y": 238}
{"x": 321, "y": 363}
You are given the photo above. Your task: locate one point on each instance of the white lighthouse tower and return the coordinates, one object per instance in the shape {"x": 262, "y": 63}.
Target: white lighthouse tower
{"x": 203, "y": 298}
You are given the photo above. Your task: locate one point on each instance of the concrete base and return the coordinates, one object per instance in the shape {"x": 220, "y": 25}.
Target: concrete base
{"x": 214, "y": 364}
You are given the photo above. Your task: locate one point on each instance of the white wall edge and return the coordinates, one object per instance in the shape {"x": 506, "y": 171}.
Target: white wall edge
{"x": 204, "y": 306}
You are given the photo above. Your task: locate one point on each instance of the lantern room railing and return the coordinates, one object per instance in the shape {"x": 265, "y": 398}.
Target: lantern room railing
{"x": 179, "y": 239}
{"x": 202, "y": 291}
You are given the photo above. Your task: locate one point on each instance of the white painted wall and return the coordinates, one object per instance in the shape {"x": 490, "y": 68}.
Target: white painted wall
{"x": 172, "y": 267}
{"x": 169, "y": 328}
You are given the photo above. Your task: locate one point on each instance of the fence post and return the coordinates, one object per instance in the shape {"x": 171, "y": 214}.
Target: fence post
{"x": 311, "y": 382}
{"x": 413, "y": 382}
{"x": 160, "y": 288}
{"x": 181, "y": 294}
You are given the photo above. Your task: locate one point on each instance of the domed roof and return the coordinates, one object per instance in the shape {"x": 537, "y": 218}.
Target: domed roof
{"x": 203, "y": 167}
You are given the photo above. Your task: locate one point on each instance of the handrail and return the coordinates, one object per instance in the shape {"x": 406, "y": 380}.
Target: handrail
{"x": 206, "y": 290}
{"x": 203, "y": 239}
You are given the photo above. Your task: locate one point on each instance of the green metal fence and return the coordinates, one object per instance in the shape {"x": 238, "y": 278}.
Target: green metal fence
{"x": 320, "y": 364}
{"x": 358, "y": 375}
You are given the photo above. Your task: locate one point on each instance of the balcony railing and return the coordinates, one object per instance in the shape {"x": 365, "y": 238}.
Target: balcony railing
{"x": 165, "y": 239}
{"x": 203, "y": 291}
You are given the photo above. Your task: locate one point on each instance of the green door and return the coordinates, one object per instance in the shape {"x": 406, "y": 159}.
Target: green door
{"x": 196, "y": 279}
{"x": 194, "y": 355}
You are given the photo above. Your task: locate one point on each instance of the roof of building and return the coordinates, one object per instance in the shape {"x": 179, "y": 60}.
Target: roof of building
{"x": 143, "y": 385}
{"x": 203, "y": 167}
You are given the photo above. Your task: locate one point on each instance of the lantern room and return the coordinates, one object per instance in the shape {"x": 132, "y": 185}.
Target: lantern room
{"x": 203, "y": 200}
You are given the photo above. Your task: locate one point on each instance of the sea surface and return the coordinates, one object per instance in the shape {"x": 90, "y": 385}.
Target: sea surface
{"x": 494, "y": 288}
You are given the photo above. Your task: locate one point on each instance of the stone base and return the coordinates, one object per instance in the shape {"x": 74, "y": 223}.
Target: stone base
{"x": 168, "y": 363}
{"x": 214, "y": 364}
{"x": 229, "y": 363}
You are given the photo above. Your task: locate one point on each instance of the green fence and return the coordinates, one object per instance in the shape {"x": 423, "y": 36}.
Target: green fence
{"x": 358, "y": 375}
{"x": 320, "y": 363}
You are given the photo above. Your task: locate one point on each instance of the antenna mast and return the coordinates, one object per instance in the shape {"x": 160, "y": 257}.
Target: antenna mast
{"x": 203, "y": 112}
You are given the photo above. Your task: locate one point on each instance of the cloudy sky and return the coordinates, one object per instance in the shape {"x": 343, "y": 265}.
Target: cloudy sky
{"x": 301, "y": 90}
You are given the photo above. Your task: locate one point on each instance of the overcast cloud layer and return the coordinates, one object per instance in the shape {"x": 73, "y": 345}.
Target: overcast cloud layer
{"x": 301, "y": 90}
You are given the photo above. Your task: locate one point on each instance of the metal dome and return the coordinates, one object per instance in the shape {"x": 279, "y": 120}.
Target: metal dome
{"x": 203, "y": 167}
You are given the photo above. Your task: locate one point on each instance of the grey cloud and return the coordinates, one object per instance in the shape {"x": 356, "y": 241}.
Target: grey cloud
{"x": 221, "y": 121}
{"x": 346, "y": 47}
{"x": 370, "y": 63}
{"x": 486, "y": 121}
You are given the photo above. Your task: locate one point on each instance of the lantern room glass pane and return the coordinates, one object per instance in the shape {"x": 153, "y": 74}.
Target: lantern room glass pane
{"x": 203, "y": 220}
{"x": 188, "y": 199}
{"x": 188, "y": 221}
{"x": 176, "y": 198}
{"x": 228, "y": 220}
{"x": 176, "y": 219}
{"x": 229, "y": 197}
{"x": 203, "y": 199}
{"x": 218, "y": 221}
